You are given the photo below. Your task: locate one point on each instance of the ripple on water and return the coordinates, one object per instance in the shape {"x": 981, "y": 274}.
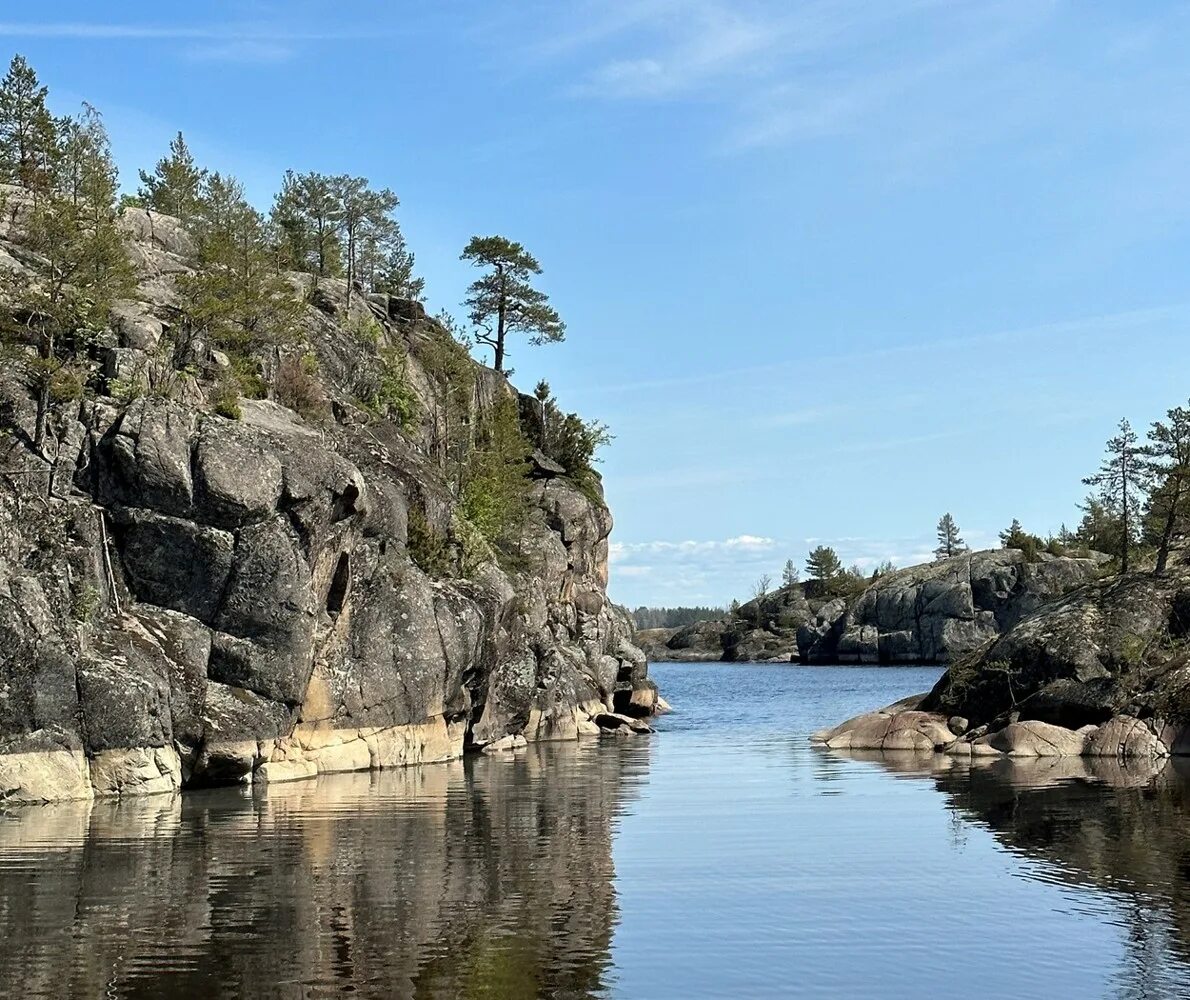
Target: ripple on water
{"x": 725, "y": 857}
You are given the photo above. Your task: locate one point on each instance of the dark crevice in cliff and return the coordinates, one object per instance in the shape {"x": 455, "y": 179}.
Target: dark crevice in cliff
{"x": 336, "y": 597}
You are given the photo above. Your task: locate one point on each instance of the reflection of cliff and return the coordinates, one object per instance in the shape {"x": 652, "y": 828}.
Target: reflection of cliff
{"x": 1116, "y": 825}
{"x": 481, "y": 878}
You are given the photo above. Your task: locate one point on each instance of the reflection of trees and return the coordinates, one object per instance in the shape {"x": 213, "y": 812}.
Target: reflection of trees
{"x": 1120, "y": 826}
{"x": 486, "y": 878}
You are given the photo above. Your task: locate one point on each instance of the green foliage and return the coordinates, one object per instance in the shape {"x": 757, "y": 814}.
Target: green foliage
{"x": 452, "y": 373}
{"x": 367, "y": 330}
{"x": 1015, "y": 537}
{"x": 366, "y": 223}
{"x": 494, "y": 496}
{"x": 236, "y": 297}
{"x": 1120, "y": 480}
{"x": 475, "y": 548}
{"x": 29, "y": 139}
{"x": 884, "y": 568}
{"x": 387, "y": 264}
{"x": 430, "y": 551}
{"x": 299, "y": 388}
{"x": 70, "y": 230}
{"x": 950, "y": 543}
{"x": 824, "y": 569}
{"x": 503, "y": 301}
{"x": 565, "y": 437}
{"x": 850, "y": 582}
{"x": 308, "y": 216}
{"x": 225, "y": 399}
{"x": 391, "y": 396}
{"x": 1165, "y": 463}
{"x": 86, "y": 603}
{"x": 646, "y": 617}
{"x": 1098, "y": 530}
{"x": 67, "y": 383}
{"x": 176, "y": 185}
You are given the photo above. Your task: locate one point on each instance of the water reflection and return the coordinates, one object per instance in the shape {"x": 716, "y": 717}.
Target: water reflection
{"x": 1119, "y": 827}
{"x": 489, "y": 878}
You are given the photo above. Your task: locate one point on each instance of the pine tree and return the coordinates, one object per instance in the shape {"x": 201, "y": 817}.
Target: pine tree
{"x": 1166, "y": 463}
{"x": 1097, "y": 530}
{"x": 824, "y": 568}
{"x": 365, "y": 220}
{"x": 29, "y": 140}
{"x": 387, "y": 264}
{"x": 309, "y": 215}
{"x": 1121, "y": 480}
{"x": 949, "y": 541}
{"x": 175, "y": 186}
{"x": 83, "y": 265}
{"x": 503, "y": 301}
{"x": 1014, "y": 536}
{"x": 236, "y": 297}
{"x": 789, "y": 575}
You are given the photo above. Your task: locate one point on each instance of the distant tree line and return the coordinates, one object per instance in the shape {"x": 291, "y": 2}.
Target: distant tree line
{"x": 646, "y": 617}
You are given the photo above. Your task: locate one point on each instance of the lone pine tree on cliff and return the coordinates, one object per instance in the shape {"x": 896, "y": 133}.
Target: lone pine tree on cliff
{"x": 950, "y": 543}
{"x": 1121, "y": 483}
{"x": 824, "y": 568}
{"x": 503, "y": 301}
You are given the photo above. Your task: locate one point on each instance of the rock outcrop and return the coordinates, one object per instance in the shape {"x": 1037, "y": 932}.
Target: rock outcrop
{"x": 188, "y": 599}
{"x": 937, "y": 612}
{"x": 933, "y": 613}
{"x": 1102, "y": 671}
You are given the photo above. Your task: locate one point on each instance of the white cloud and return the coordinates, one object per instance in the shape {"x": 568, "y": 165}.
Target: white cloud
{"x": 243, "y": 50}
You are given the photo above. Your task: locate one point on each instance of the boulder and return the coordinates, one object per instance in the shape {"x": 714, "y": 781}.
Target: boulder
{"x": 1124, "y": 736}
{"x": 888, "y": 730}
{"x": 1035, "y": 739}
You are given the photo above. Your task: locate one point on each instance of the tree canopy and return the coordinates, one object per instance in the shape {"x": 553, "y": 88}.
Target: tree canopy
{"x": 950, "y": 542}
{"x": 503, "y": 301}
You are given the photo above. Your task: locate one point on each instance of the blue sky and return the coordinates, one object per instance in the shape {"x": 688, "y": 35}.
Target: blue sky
{"x": 829, "y": 268}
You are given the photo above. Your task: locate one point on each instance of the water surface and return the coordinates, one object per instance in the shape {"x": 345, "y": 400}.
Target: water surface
{"x": 723, "y": 857}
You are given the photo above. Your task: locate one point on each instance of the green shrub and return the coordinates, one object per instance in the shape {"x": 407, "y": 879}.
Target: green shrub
{"x": 368, "y": 330}
{"x": 301, "y": 391}
{"x": 226, "y": 396}
{"x": 86, "y": 602}
{"x": 430, "y": 551}
{"x": 494, "y": 495}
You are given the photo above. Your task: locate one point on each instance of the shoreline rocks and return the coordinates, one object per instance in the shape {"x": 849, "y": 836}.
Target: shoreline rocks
{"x": 905, "y": 727}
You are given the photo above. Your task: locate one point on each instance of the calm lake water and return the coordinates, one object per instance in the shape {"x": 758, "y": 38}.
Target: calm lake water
{"x": 724, "y": 857}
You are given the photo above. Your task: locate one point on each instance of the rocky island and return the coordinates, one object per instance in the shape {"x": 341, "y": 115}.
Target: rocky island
{"x": 260, "y": 517}
{"x": 932, "y": 613}
{"x": 1100, "y": 671}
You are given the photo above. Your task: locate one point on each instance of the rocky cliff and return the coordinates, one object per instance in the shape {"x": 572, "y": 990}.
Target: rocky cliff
{"x": 1101, "y": 671}
{"x": 933, "y": 613}
{"x": 187, "y": 598}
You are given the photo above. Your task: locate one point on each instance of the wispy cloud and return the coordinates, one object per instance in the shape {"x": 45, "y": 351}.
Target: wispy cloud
{"x": 229, "y": 32}
{"x": 246, "y": 43}
{"x": 243, "y": 50}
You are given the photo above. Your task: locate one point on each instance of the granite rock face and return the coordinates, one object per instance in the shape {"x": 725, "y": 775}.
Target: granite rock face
{"x": 939, "y": 611}
{"x": 1102, "y": 671}
{"x": 933, "y": 613}
{"x": 188, "y": 599}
